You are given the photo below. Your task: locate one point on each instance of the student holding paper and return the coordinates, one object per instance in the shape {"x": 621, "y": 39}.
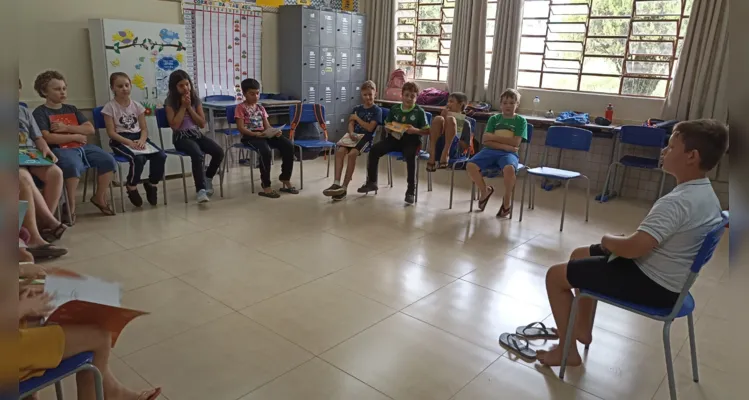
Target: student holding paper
{"x": 252, "y": 123}
{"x": 125, "y": 120}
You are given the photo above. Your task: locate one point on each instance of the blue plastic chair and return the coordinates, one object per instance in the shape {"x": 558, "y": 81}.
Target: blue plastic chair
{"x": 23, "y": 104}
{"x": 229, "y": 133}
{"x": 398, "y": 155}
{"x": 219, "y": 97}
{"x": 564, "y": 138}
{"x": 643, "y": 136}
{"x": 231, "y": 119}
{"x": 99, "y": 124}
{"x": 69, "y": 366}
{"x": 496, "y": 173}
{"x": 684, "y": 307}
{"x": 457, "y": 162}
{"x": 308, "y": 116}
{"x": 162, "y": 122}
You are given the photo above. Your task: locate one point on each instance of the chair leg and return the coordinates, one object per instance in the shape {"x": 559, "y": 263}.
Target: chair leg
{"x": 522, "y": 197}
{"x": 605, "y": 190}
{"x": 568, "y": 337}
{"x": 111, "y": 198}
{"x": 473, "y": 196}
{"x": 429, "y": 181}
{"x": 58, "y": 391}
{"x": 452, "y": 186}
{"x": 564, "y": 203}
{"x": 624, "y": 179}
{"x": 122, "y": 187}
{"x": 390, "y": 171}
{"x": 693, "y": 348}
{"x": 222, "y": 172}
{"x": 301, "y": 169}
{"x": 85, "y": 185}
{"x": 330, "y": 155}
{"x": 184, "y": 178}
{"x": 669, "y": 360}
{"x": 592, "y": 318}
{"x": 587, "y": 198}
{"x": 163, "y": 187}
{"x": 532, "y": 203}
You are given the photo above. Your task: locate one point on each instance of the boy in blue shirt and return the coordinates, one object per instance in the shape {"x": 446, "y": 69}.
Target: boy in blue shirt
{"x": 362, "y": 124}
{"x": 501, "y": 140}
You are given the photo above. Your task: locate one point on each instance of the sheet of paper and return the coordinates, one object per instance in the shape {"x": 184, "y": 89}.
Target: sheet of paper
{"x": 86, "y": 288}
{"x": 149, "y": 149}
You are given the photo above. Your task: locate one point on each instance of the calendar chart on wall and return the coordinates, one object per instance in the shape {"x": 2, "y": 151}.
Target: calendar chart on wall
{"x": 223, "y": 42}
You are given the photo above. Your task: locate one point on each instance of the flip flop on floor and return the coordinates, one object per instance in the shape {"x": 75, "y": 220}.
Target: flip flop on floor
{"x": 518, "y": 345}
{"x": 105, "y": 209}
{"x": 47, "y": 251}
{"x": 482, "y": 203}
{"x": 291, "y": 190}
{"x": 271, "y": 195}
{"x": 504, "y": 212}
{"x": 54, "y": 234}
{"x": 536, "y": 330}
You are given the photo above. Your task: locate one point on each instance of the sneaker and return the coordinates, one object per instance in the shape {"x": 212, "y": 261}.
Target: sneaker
{"x": 334, "y": 190}
{"x": 151, "y": 193}
{"x": 203, "y": 196}
{"x": 340, "y": 197}
{"x": 209, "y": 186}
{"x": 135, "y": 198}
{"x": 410, "y": 198}
{"x": 368, "y": 187}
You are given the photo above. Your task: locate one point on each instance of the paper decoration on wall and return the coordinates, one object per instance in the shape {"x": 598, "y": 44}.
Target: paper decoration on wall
{"x": 115, "y": 62}
{"x": 139, "y": 82}
{"x": 347, "y": 5}
{"x": 269, "y": 3}
{"x": 126, "y": 38}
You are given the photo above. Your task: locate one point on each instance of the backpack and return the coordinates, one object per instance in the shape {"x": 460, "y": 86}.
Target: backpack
{"x": 395, "y": 85}
{"x": 308, "y": 130}
{"x": 432, "y": 97}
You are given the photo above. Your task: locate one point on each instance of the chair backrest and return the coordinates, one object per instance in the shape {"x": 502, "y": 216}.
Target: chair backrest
{"x": 527, "y": 141}
{"x": 569, "y": 138}
{"x": 385, "y": 113}
{"x": 161, "y": 122}
{"x": 308, "y": 113}
{"x": 99, "y": 118}
{"x": 22, "y": 104}
{"x": 642, "y": 136}
{"x": 218, "y": 97}
{"x": 230, "y": 111}
{"x": 429, "y": 117}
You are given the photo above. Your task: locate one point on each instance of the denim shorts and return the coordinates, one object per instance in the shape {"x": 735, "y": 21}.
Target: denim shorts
{"x": 75, "y": 161}
{"x": 492, "y": 159}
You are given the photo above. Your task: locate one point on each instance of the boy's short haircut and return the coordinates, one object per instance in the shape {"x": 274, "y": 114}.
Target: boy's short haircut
{"x": 369, "y": 85}
{"x": 708, "y": 136}
{"x": 460, "y": 97}
{"x": 510, "y": 94}
{"x": 410, "y": 87}
{"x": 250, "y": 84}
{"x": 43, "y": 79}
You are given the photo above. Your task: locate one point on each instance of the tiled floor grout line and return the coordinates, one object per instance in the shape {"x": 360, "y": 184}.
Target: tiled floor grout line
{"x": 474, "y": 378}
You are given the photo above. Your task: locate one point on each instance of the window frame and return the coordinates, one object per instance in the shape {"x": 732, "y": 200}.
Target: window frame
{"x": 632, "y": 19}
{"x": 442, "y": 37}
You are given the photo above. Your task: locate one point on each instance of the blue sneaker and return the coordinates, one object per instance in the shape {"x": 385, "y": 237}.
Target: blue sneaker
{"x": 209, "y": 187}
{"x": 203, "y": 196}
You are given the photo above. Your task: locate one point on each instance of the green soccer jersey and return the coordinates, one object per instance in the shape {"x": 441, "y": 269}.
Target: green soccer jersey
{"x": 415, "y": 116}
{"x": 507, "y": 127}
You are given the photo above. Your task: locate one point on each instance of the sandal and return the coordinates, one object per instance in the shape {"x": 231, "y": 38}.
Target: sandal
{"x": 150, "y": 394}
{"x": 482, "y": 203}
{"x": 105, "y": 209}
{"x": 47, "y": 251}
{"x": 271, "y": 195}
{"x": 504, "y": 212}
{"x": 52, "y": 235}
{"x": 536, "y": 330}
{"x": 518, "y": 345}
{"x": 431, "y": 166}
{"x": 443, "y": 165}
{"x": 290, "y": 190}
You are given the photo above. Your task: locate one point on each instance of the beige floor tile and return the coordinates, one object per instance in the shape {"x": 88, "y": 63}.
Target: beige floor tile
{"x": 125, "y": 268}
{"x": 222, "y": 360}
{"x": 320, "y": 253}
{"x": 713, "y": 384}
{"x": 514, "y": 277}
{"x": 240, "y": 285}
{"x": 407, "y": 359}
{"x": 474, "y": 313}
{"x": 195, "y": 251}
{"x": 549, "y": 249}
{"x": 515, "y": 381}
{"x": 174, "y": 307}
{"x": 84, "y": 245}
{"x": 729, "y": 301}
{"x": 390, "y": 281}
{"x": 718, "y": 345}
{"x": 143, "y": 228}
{"x": 377, "y": 234}
{"x": 265, "y": 231}
{"x": 315, "y": 380}
{"x": 318, "y": 315}
{"x": 445, "y": 255}
{"x": 496, "y": 235}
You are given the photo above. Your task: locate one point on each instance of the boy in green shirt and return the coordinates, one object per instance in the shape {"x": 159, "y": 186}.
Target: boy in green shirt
{"x": 501, "y": 140}
{"x": 407, "y": 122}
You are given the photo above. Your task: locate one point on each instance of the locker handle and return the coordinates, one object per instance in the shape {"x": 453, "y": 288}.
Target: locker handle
{"x": 146, "y": 92}
{"x": 304, "y": 26}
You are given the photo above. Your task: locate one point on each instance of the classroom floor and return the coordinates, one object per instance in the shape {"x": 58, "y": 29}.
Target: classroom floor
{"x": 300, "y": 298}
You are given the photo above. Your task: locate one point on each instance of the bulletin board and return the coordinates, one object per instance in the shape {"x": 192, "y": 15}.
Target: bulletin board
{"x": 223, "y": 42}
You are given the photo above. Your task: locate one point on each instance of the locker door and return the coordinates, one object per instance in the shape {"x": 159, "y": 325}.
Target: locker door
{"x": 310, "y": 92}
{"x": 330, "y": 126}
{"x": 343, "y": 30}
{"x": 326, "y": 94}
{"x": 342, "y": 124}
{"x": 327, "y": 65}
{"x": 343, "y": 98}
{"x": 355, "y": 94}
{"x": 310, "y": 27}
{"x": 343, "y": 69}
{"x": 358, "y": 67}
{"x": 310, "y": 61}
{"x": 357, "y": 31}
{"x": 327, "y": 28}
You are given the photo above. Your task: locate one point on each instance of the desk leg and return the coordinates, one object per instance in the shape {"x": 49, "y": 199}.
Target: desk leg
{"x": 211, "y": 124}
{"x": 607, "y": 194}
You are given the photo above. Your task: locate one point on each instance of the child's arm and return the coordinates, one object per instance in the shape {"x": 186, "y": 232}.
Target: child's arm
{"x": 112, "y": 132}
{"x": 86, "y": 128}
{"x": 424, "y": 129}
{"x": 175, "y": 118}
{"x": 143, "y": 129}
{"x": 512, "y": 141}
{"x": 197, "y": 115}
{"x": 636, "y": 245}
{"x": 351, "y": 125}
{"x": 368, "y": 126}
{"x": 38, "y": 138}
{"x": 502, "y": 146}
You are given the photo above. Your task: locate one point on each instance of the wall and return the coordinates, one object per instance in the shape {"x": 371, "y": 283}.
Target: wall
{"x": 56, "y": 36}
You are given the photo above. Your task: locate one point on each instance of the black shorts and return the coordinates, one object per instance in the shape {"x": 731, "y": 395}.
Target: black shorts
{"x": 621, "y": 278}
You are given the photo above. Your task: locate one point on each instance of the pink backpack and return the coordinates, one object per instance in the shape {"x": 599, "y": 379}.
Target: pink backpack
{"x": 395, "y": 85}
{"x": 432, "y": 97}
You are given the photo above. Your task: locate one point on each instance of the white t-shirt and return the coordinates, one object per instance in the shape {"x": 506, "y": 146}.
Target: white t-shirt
{"x": 125, "y": 118}
{"x": 679, "y": 222}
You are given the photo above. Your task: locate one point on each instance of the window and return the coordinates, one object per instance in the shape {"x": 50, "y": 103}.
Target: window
{"x": 626, "y": 47}
{"x": 423, "y": 32}
{"x": 491, "y": 19}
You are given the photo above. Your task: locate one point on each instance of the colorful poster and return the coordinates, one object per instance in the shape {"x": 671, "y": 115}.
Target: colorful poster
{"x": 347, "y": 5}
{"x": 269, "y": 3}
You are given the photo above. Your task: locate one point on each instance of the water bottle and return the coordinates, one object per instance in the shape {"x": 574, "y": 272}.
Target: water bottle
{"x": 536, "y": 106}
{"x": 610, "y": 113}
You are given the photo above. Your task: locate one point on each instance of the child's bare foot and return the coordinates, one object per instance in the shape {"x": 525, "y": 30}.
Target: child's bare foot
{"x": 553, "y": 357}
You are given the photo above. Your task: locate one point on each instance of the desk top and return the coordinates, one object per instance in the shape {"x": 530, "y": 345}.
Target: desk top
{"x": 220, "y": 105}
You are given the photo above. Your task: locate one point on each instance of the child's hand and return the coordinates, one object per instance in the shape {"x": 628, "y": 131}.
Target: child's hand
{"x": 34, "y": 305}
{"x": 58, "y": 127}
{"x": 79, "y": 138}
{"x": 33, "y": 271}
{"x": 445, "y": 112}
{"x": 47, "y": 153}
{"x": 139, "y": 144}
{"x": 413, "y": 131}
{"x": 186, "y": 101}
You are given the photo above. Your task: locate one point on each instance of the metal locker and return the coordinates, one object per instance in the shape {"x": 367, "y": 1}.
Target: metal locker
{"x": 343, "y": 69}
{"x": 327, "y": 28}
{"x": 357, "y": 30}
{"x": 326, "y": 94}
{"x": 355, "y": 93}
{"x": 330, "y": 123}
{"x": 342, "y": 124}
{"x": 343, "y": 29}
{"x": 310, "y": 27}
{"x": 310, "y": 72}
{"x": 358, "y": 67}
{"x": 310, "y": 93}
{"x": 343, "y": 98}
{"x": 327, "y": 65}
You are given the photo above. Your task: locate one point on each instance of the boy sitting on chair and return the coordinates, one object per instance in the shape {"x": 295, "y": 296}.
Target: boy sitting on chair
{"x": 361, "y": 129}
{"x": 501, "y": 140}
{"x": 445, "y": 127}
{"x": 650, "y": 266}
